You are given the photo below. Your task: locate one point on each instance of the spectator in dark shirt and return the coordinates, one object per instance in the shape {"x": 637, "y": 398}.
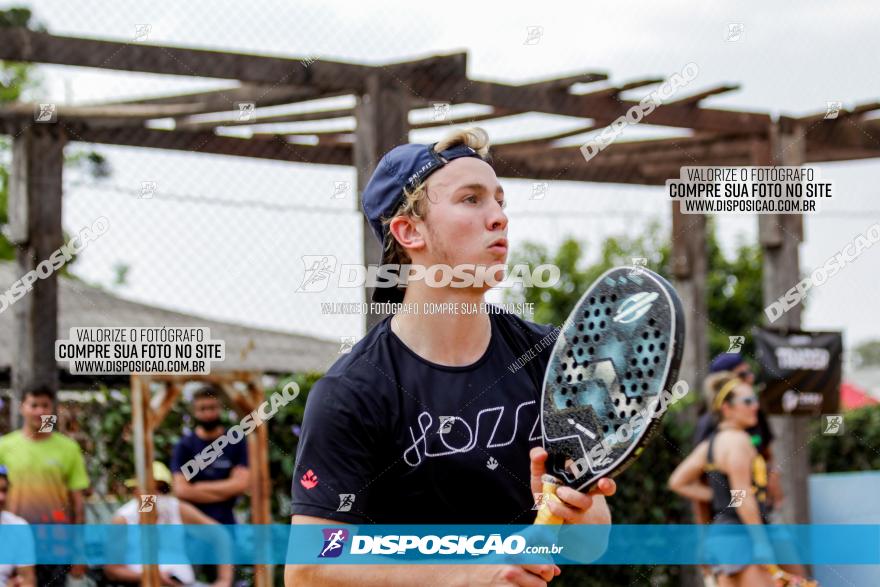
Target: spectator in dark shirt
{"x": 215, "y": 488}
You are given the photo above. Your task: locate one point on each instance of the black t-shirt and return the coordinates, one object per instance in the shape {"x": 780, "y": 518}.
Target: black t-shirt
{"x": 234, "y": 455}
{"x": 389, "y": 437}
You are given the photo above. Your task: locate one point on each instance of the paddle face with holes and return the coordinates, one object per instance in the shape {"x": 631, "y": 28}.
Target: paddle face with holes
{"x": 618, "y": 351}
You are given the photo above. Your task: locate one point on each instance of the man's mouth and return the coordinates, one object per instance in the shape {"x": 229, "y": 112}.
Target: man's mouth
{"x": 499, "y": 245}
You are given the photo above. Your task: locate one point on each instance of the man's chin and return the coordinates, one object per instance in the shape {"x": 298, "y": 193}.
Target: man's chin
{"x": 493, "y": 278}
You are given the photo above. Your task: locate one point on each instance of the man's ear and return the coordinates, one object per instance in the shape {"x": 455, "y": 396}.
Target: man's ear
{"x": 407, "y": 232}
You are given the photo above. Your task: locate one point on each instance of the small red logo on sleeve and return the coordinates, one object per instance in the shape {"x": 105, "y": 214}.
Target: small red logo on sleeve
{"x": 309, "y": 480}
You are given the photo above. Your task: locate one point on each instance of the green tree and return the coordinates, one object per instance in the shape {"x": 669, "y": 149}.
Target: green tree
{"x": 733, "y": 285}
{"x": 734, "y": 294}
{"x": 552, "y": 305}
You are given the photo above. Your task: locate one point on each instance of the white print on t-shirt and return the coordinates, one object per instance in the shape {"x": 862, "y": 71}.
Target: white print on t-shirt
{"x": 460, "y": 430}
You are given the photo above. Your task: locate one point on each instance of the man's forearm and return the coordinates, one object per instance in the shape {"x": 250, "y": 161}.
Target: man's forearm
{"x": 374, "y": 575}
{"x": 210, "y": 491}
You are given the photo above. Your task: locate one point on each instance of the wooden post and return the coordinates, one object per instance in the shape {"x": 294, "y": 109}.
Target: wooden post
{"x": 382, "y": 121}
{"x": 145, "y": 420}
{"x": 689, "y": 267}
{"x": 780, "y": 235}
{"x": 35, "y": 227}
{"x": 142, "y": 419}
{"x": 261, "y": 491}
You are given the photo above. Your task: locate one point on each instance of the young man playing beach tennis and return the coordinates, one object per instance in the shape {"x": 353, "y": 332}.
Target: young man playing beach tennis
{"x": 425, "y": 421}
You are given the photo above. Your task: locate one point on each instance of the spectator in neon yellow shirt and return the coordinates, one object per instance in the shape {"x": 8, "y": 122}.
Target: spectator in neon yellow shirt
{"x": 47, "y": 473}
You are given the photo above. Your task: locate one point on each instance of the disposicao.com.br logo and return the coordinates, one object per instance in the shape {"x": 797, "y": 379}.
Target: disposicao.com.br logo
{"x": 402, "y": 544}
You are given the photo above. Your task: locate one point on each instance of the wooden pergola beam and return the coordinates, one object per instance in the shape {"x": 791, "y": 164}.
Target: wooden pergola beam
{"x": 564, "y": 83}
{"x": 616, "y": 90}
{"x": 133, "y": 111}
{"x": 819, "y": 152}
{"x": 541, "y": 143}
{"x": 561, "y": 163}
{"x": 648, "y": 162}
{"x": 606, "y": 108}
{"x": 275, "y": 148}
{"x": 325, "y": 139}
{"x": 688, "y": 148}
{"x": 787, "y": 123}
{"x": 840, "y": 139}
{"x": 466, "y": 119}
{"x": 681, "y": 147}
{"x": 695, "y": 99}
{"x": 441, "y": 78}
{"x": 225, "y": 100}
{"x": 429, "y": 74}
{"x": 334, "y": 114}
{"x": 519, "y": 166}
{"x": 715, "y": 150}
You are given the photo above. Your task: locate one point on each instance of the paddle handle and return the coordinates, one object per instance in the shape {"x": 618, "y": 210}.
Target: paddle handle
{"x": 549, "y": 485}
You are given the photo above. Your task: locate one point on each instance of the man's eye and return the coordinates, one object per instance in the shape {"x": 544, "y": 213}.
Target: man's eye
{"x": 471, "y": 198}
{"x": 502, "y": 203}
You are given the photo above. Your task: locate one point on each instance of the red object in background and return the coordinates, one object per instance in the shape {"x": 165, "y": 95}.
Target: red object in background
{"x": 852, "y": 397}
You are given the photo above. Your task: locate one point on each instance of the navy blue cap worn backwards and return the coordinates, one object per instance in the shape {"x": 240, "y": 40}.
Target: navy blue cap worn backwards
{"x": 725, "y": 362}
{"x": 402, "y": 168}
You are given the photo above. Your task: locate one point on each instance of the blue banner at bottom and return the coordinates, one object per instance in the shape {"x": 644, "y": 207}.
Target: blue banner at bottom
{"x": 411, "y": 544}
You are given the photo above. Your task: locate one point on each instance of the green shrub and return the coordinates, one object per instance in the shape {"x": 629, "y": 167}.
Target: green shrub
{"x": 854, "y": 450}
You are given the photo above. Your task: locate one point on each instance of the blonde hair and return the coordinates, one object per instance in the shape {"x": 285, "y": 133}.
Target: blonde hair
{"x": 415, "y": 202}
{"x": 720, "y": 386}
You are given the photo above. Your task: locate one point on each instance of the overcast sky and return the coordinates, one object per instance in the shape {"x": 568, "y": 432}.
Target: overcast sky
{"x": 191, "y": 248}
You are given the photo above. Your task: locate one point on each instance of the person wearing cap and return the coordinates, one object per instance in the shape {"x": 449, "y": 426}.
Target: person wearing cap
{"x": 424, "y": 421}
{"x": 12, "y": 575}
{"x": 169, "y": 511}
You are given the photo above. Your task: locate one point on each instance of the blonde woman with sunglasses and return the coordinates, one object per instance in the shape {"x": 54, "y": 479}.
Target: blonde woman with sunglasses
{"x": 736, "y": 472}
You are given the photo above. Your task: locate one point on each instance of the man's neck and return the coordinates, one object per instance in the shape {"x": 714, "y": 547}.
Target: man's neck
{"x": 444, "y": 337}
{"x": 32, "y": 434}
{"x": 205, "y": 435}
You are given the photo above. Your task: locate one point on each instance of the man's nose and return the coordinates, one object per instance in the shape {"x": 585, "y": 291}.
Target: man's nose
{"x": 497, "y": 219}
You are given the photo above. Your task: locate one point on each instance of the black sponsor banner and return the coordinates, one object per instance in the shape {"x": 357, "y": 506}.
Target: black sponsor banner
{"x": 801, "y": 370}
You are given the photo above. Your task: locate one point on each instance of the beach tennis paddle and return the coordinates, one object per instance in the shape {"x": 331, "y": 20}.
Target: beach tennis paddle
{"x": 609, "y": 379}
